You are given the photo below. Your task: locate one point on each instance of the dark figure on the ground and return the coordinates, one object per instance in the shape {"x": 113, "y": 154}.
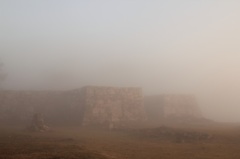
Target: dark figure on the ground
{"x": 38, "y": 124}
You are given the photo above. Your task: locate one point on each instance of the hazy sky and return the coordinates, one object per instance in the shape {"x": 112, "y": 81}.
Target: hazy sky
{"x": 163, "y": 46}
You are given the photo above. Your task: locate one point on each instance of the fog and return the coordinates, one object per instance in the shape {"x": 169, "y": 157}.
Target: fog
{"x": 162, "y": 46}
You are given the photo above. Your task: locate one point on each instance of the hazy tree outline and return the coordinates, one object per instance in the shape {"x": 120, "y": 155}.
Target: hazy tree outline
{"x": 2, "y": 74}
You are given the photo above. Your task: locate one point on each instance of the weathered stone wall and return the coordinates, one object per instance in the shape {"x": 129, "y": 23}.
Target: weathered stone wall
{"x": 165, "y": 106}
{"x": 181, "y": 105}
{"x": 56, "y": 106}
{"x": 110, "y": 106}
{"x": 91, "y": 105}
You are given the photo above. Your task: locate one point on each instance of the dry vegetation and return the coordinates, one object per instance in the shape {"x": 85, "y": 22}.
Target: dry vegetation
{"x": 73, "y": 143}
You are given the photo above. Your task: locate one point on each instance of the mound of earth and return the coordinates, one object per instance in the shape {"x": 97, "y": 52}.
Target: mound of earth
{"x": 173, "y": 134}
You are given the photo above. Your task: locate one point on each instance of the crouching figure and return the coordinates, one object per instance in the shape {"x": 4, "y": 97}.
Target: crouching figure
{"x": 38, "y": 124}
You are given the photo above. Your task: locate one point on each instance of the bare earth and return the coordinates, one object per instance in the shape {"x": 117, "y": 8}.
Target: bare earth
{"x": 219, "y": 142}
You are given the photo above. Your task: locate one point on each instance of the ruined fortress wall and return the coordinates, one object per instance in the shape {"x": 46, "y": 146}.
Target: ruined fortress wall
{"x": 110, "y": 106}
{"x": 56, "y": 106}
{"x": 164, "y": 106}
{"x": 181, "y": 106}
{"x": 17, "y": 106}
{"x": 88, "y": 106}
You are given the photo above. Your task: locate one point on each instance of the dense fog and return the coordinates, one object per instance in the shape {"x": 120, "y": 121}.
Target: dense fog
{"x": 165, "y": 47}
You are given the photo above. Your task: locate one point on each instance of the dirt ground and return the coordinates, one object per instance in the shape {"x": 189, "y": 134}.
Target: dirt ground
{"x": 82, "y": 143}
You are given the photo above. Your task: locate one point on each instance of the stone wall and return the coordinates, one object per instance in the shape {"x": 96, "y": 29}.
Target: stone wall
{"x": 113, "y": 107}
{"x": 90, "y": 105}
{"x": 172, "y": 106}
{"x": 56, "y": 106}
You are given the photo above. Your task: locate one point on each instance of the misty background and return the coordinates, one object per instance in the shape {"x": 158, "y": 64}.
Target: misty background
{"x": 189, "y": 47}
